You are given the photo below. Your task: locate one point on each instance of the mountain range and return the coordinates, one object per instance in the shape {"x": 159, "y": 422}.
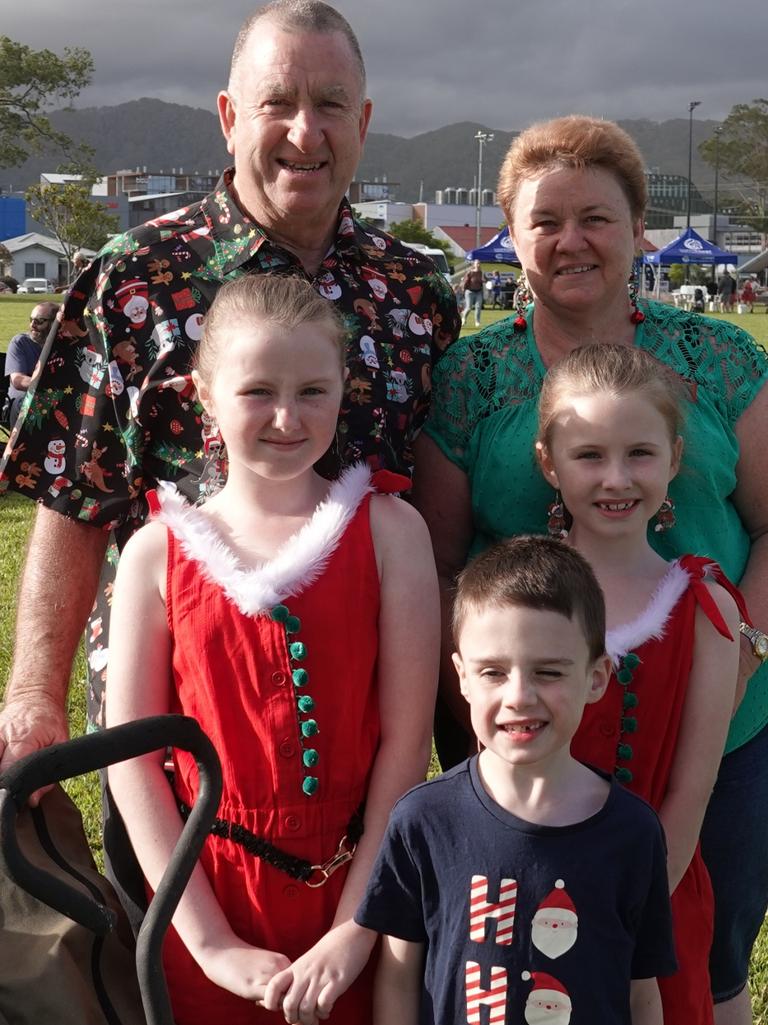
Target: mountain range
{"x": 163, "y": 136}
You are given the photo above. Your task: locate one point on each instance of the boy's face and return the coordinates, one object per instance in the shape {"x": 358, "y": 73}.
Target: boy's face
{"x": 527, "y": 675}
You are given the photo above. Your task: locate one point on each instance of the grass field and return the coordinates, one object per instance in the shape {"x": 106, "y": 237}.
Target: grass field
{"x": 15, "y": 522}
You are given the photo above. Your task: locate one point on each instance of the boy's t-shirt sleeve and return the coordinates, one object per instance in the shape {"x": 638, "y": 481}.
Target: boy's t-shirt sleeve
{"x": 654, "y": 946}
{"x": 393, "y": 902}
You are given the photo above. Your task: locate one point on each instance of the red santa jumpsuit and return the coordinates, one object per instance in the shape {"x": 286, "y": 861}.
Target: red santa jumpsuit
{"x": 632, "y": 732}
{"x": 278, "y": 665}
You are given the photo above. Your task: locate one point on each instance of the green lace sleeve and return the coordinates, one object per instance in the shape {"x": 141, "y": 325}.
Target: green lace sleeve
{"x": 714, "y": 354}
{"x": 478, "y": 375}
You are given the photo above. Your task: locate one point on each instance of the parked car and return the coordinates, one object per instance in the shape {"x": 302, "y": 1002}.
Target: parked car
{"x": 35, "y": 285}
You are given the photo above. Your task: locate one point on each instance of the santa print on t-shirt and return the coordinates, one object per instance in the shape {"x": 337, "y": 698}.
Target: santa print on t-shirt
{"x": 554, "y": 931}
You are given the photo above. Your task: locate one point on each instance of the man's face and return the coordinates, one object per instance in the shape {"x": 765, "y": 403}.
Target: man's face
{"x": 295, "y": 123}
{"x": 40, "y": 320}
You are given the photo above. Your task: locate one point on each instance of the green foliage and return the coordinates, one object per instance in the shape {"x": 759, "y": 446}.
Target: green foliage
{"x": 740, "y": 147}
{"x": 70, "y": 214}
{"x": 414, "y": 231}
{"x": 31, "y": 82}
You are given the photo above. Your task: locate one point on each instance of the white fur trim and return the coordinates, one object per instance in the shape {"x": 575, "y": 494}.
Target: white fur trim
{"x": 296, "y": 564}
{"x": 652, "y": 621}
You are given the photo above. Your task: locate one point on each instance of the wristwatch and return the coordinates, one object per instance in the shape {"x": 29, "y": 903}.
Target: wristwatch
{"x": 757, "y": 639}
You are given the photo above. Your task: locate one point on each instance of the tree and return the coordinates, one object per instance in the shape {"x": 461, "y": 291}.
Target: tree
{"x": 69, "y": 213}
{"x": 31, "y": 83}
{"x": 740, "y": 148}
{"x": 414, "y": 231}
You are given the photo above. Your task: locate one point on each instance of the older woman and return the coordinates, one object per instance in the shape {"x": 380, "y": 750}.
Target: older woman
{"x": 573, "y": 191}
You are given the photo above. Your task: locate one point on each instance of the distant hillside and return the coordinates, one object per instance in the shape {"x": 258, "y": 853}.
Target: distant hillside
{"x": 166, "y": 135}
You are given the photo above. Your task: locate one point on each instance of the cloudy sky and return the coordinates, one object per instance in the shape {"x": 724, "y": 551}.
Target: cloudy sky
{"x": 433, "y": 62}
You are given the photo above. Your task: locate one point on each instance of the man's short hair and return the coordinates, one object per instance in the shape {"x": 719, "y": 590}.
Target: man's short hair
{"x": 299, "y": 16}
{"x": 535, "y": 573}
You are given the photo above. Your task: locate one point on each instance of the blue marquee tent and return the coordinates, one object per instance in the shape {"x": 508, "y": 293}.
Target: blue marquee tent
{"x": 500, "y": 249}
{"x": 690, "y": 247}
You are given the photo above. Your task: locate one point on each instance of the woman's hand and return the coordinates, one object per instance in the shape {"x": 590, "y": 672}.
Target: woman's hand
{"x": 307, "y": 990}
{"x": 241, "y": 969}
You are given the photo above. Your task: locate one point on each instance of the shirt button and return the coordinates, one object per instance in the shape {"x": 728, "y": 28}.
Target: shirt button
{"x": 286, "y": 749}
{"x": 292, "y": 822}
{"x": 608, "y": 729}
{"x": 278, "y": 679}
{"x": 291, "y": 892}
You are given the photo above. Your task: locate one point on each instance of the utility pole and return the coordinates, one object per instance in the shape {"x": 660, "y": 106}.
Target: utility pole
{"x": 482, "y": 138}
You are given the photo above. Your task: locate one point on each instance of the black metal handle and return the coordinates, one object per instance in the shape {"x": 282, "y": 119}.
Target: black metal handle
{"x": 96, "y": 751}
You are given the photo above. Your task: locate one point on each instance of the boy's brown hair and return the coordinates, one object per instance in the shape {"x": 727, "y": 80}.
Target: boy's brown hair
{"x": 535, "y": 573}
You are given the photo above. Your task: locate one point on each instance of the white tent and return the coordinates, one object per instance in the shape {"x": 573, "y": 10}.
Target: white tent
{"x": 759, "y": 262}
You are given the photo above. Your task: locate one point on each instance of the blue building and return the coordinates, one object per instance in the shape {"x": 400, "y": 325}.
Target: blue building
{"x": 13, "y": 215}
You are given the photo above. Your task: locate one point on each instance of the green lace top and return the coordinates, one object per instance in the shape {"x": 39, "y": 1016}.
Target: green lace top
{"x": 484, "y": 419}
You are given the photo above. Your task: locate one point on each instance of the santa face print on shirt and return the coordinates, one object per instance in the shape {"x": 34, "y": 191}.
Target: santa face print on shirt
{"x": 554, "y": 931}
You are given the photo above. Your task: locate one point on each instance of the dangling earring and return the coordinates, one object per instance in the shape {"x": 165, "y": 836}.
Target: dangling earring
{"x": 636, "y": 316}
{"x": 556, "y": 518}
{"x": 522, "y": 298}
{"x": 215, "y": 454}
{"x": 665, "y": 517}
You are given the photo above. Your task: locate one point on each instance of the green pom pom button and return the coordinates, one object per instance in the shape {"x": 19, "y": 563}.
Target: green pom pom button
{"x": 305, "y": 703}
{"x": 297, "y": 650}
{"x": 300, "y": 677}
{"x": 310, "y": 757}
{"x": 279, "y": 613}
{"x": 309, "y": 728}
{"x": 310, "y": 785}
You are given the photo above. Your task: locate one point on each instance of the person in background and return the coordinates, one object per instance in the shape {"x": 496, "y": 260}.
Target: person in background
{"x": 23, "y": 353}
{"x": 472, "y": 284}
{"x": 748, "y": 295}
{"x": 496, "y": 290}
{"x": 574, "y": 194}
{"x": 726, "y": 288}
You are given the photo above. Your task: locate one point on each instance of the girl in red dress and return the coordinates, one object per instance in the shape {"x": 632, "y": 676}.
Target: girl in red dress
{"x": 609, "y": 442}
{"x": 298, "y": 621}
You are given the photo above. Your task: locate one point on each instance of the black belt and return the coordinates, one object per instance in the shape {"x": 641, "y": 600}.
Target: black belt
{"x": 296, "y": 868}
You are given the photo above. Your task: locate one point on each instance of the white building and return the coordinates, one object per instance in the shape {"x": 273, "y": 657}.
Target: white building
{"x": 38, "y": 256}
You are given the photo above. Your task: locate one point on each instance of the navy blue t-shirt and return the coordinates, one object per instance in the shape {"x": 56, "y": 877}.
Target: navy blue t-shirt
{"x": 534, "y": 923}
{"x": 21, "y": 358}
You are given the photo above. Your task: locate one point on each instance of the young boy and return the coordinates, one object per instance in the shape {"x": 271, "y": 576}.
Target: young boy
{"x": 522, "y": 880}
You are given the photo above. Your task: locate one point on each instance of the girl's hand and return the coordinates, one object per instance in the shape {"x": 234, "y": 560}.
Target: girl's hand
{"x": 242, "y": 969}
{"x": 308, "y": 989}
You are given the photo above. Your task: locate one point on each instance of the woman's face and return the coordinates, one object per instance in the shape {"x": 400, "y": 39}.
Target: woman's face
{"x": 575, "y": 236}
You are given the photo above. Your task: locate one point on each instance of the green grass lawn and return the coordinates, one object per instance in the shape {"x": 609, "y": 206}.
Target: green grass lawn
{"x": 15, "y": 521}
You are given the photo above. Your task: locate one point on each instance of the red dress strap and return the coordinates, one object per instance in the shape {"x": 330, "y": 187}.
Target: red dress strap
{"x": 384, "y": 482}
{"x": 698, "y": 568}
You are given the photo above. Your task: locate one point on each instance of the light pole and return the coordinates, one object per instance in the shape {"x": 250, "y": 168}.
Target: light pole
{"x": 717, "y": 181}
{"x": 691, "y": 107}
{"x": 482, "y": 138}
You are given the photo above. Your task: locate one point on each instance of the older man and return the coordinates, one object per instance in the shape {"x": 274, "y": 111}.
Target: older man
{"x": 24, "y": 351}
{"x": 113, "y": 411}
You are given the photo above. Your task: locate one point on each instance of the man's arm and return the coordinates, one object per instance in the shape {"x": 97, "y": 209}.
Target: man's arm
{"x": 20, "y": 381}
{"x": 58, "y": 587}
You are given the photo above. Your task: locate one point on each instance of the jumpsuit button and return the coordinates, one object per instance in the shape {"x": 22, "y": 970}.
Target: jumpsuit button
{"x": 292, "y": 822}
{"x": 291, "y": 892}
{"x": 608, "y": 729}
{"x": 286, "y": 749}
{"x": 278, "y": 679}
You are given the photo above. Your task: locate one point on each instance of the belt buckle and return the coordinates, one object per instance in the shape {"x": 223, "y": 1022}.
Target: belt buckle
{"x": 324, "y": 872}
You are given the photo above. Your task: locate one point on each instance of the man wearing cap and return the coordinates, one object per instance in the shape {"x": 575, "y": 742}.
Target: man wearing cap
{"x": 116, "y": 381}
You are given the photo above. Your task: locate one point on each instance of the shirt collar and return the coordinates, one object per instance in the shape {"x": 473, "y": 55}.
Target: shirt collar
{"x": 242, "y": 238}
